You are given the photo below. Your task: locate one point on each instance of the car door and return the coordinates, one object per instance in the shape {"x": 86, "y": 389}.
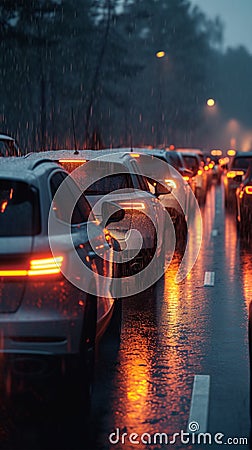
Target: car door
{"x": 89, "y": 242}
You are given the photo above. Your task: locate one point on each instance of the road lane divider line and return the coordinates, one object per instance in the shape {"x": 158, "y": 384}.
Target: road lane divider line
{"x": 209, "y": 278}
{"x": 198, "y": 417}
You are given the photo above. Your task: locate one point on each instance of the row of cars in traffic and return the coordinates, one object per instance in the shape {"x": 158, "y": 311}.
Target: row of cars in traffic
{"x": 74, "y": 227}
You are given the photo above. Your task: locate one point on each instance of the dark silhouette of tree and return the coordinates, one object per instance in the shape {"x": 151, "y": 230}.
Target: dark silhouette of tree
{"x": 97, "y": 58}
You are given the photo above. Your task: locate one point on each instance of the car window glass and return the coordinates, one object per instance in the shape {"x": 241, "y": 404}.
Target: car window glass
{"x": 19, "y": 209}
{"x": 67, "y": 199}
{"x": 173, "y": 159}
{"x": 109, "y": 184}
{"x": 139, "y": 180}
{"x": 241, "y": 163}
{"x": 191, "y": 162}
{"x": 151, "y": 187}
{"x": 143, "y": 184}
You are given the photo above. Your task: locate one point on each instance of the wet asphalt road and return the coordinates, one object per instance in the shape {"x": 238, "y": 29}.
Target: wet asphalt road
{"x": 171, "y": 333}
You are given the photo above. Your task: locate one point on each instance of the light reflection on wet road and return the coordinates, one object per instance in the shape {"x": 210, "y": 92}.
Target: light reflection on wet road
{"x": 176, "y": 331}
{"x": 170, "y": 333}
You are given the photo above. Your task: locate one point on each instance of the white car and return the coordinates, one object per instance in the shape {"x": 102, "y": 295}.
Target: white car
{"x": 45, "y": 316}
{"x": 115, "y": 176}
{"x": 194, "y": 160}
{"x": 179, "y": 202}
{"x": 157, "y": 166}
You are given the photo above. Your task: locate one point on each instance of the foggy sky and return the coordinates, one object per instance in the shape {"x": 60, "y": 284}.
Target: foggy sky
{"x": 237, "y": 17}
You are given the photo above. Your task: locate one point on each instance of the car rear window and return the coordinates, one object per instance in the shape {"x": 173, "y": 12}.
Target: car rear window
{"x": 173, "y": 159}
{"x": 109, "y": 176}
{"x": 241, "y": 162}
{"x": 110, "y": 183}
{"x": 81, "y": 212}
{"x": 19, "y": 209}
{"x": 191, "y": 162}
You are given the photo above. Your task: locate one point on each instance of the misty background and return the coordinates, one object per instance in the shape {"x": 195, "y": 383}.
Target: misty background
{"x": 89, "y": 69}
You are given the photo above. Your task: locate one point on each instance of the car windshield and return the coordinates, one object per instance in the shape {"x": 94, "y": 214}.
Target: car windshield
{"x": 19, "y": 209}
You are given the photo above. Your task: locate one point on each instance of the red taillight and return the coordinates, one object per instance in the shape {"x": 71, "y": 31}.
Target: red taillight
{"x": 47, "y": 266}
{"x": 248, "y": 190}
{"x": 37, "y": 267}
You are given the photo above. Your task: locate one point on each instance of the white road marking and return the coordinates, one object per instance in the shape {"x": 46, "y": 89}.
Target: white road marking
{"x": 198, "y": 416}
{"x": 215, "y": 233}
{"x": 209, "y": 278}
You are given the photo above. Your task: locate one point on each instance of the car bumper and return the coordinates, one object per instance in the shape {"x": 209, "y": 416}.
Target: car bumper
{"x": 48, "y": 321}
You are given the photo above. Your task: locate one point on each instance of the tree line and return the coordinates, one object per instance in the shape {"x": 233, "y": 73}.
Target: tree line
{"x": 86, "y": 73}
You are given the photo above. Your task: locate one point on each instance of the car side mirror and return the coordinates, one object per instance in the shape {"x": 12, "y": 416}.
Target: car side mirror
{"x": 111, "y": 212}
{"x": 185, "y": 172}
{"x": 161, "y": 189}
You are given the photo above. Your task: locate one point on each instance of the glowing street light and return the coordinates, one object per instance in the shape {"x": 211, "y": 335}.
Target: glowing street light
{"x": 160, "y": 54}
{"x": 210, "y": 102}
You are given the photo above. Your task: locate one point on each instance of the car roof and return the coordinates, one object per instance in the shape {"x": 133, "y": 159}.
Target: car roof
{"x": 4, "y": 137}
{"x": 239, "y": 155}
{"x": 243, "y": 154}
{"x": 112, "y": 155}
{"x": 22, "y": 167}
{"x": 150, "y": 151}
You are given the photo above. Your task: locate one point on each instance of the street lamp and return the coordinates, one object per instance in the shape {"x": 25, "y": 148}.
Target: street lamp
{"x": 160, "y": 54}
{"x": 210, "y": 102}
